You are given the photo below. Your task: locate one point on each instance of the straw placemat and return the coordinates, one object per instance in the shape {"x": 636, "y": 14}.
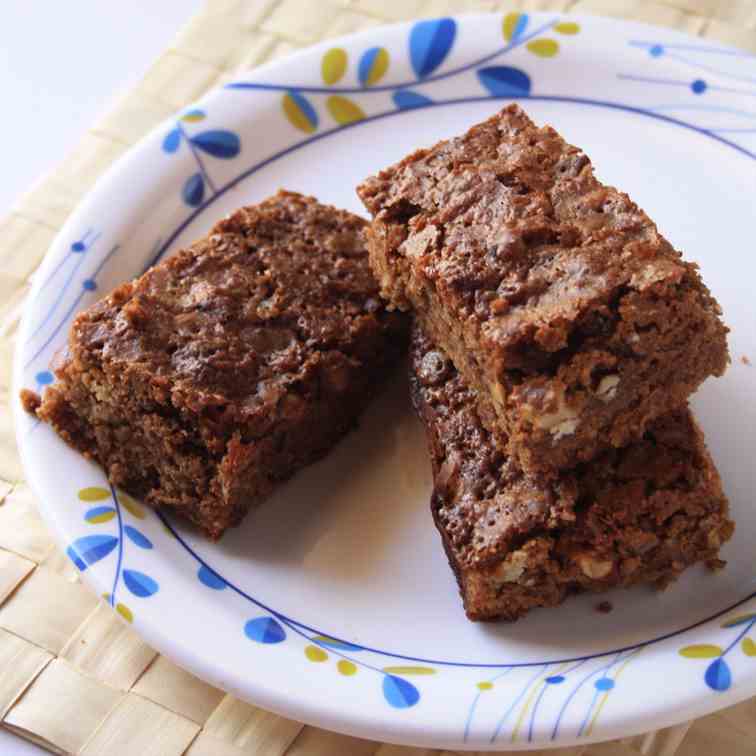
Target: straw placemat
{"x": 73, "y": 677}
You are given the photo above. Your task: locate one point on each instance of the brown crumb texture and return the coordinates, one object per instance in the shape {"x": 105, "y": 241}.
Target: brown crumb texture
{"x": 745, "y": 361}
{"x": 30, "y": 400}
{"x": 221, "y": 371}
{"x": 640, "y": 514}
{"x": 554, "y": 295}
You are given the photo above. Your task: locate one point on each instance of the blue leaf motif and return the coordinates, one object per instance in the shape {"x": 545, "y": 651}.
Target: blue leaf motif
{"x": 194, "y": 190}
{"x": 718, "y": 675}
{"x": 138, "y": 538}
{"x": 430, "y": 42}
{"x": 76, "y": 559}
{"x": 406, "y": 98}
{"x": 139, "y": 584}
{"x": 211, "y": 579}
{"x": 220, "y": 144}
{"x": 503, "y": 81}
{"x": 264, "y": 630}
{"x": 172, "y": 141}
{"x": 300, "y": 111}
{"x": 90, "y": 549}
{"x": 400, "y": 693}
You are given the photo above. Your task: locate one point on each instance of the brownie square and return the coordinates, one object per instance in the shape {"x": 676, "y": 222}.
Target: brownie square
{"x": 640, "y": 514}
{"x": 554, "y": 295}
{"x": 221, "y": 371}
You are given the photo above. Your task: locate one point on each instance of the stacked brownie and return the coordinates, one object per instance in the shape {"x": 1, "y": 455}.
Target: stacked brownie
{"x": 558, "y": 337}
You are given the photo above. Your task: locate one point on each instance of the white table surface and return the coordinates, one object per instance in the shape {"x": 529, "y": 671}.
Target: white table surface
{"x": 61, "y": 65}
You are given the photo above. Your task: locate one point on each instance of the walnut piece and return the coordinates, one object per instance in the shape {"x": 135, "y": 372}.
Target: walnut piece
{"x": 512, "y": 568}
{"x": 607, "y": 388}
{"x": 561, "y": 423}
{"x": 592, "y": 567}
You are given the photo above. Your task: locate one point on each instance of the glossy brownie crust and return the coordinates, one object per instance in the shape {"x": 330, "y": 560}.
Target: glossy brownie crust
{"x": 640, "y": 514}
{"x": 222, "y": 371}
{"x": 554, "y": 295}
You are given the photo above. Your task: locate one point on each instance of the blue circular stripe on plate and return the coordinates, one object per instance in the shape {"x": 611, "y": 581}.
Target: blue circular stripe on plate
{"x": 479, "y": 665}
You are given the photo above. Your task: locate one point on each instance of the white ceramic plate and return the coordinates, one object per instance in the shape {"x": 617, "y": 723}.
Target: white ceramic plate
{"x": 333, "y": 603}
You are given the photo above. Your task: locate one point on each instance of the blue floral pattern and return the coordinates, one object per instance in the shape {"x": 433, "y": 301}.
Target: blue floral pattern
{"x": 710, "y": 65}
{"x": 45, "y": 332}
{"x": 717, "y": 674}
{"x": 430, "y": 43}
{"x": 114, "y": 506}
{"x": 217, "y": 143}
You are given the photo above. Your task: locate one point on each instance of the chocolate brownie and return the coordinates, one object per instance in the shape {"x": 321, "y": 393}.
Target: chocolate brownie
{"x": 554, "y": 295}
{"x": 223, "y": 370}
{"x": 640, "y": 514}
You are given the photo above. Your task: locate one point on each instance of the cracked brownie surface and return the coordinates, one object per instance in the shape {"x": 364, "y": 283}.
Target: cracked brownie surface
{"x": 554, "y": 295}
{"x": 226, "y": 368}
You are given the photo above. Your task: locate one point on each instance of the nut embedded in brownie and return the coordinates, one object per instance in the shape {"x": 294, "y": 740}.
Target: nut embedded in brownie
{"x": 554, "y": 295}
{"x": 640, "y": 514}
{"x": 223, "y": 370}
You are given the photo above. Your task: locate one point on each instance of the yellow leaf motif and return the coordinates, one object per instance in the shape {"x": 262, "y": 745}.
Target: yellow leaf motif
{"x": 410, "y": 670}
{"x": 544, "y": 48}
{"x": 130, "y": 505}
{"x": 98, "y": 519}
{"x": 344, "y": 111}
{"x": 485, "y": 685}
{"x": 315, "y": 654}
{"x": 510, "y": 24}
{"x": 701, "y": 651}
{"x": 748, "y": 646}
{"x": 333, "y": 65}
{"x": 296, "y": 114}
{"x": 346, "y": 668}
{"x": 379, "y": 67}
{"x": 125, "y": 612}
{"x": 739, "y": 619}
{"x": 567, "y": 27}
{"x": 94, "y": 493}
{"x": 324, "y": 639}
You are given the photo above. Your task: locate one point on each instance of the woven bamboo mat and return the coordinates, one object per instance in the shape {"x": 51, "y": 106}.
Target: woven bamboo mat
{"x": 73, "y": 677}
